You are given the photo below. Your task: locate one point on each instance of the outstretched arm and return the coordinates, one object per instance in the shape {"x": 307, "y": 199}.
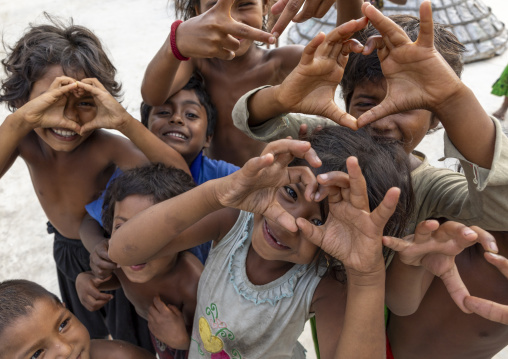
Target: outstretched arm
{"x": 418, "y": 77}
{"x": 212, "y": 34}
{"x": 310, "y": 87}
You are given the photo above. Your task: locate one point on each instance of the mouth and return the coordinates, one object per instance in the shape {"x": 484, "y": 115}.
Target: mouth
{"x": 64, "y": 134}
{"x": 271, "y": 239}
{"x": 175, "y": 135}
{"x": 138, "y": 267}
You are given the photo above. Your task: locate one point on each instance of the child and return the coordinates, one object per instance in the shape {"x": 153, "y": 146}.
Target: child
{"x": 35, "y": 324}
{"x": 218, "y": 37}
{"x": 439, "y": 192}
{"x": 58, "y": 89}
{"x": 500, "y": 88}
{"x": 163, "y": 290}
{"x": 254, "y": 298}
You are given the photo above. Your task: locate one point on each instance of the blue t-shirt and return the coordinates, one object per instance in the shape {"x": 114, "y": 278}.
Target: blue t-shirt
{"x": 202, "y": 169}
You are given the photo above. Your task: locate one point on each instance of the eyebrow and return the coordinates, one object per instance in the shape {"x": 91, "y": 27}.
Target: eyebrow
{"x": 38, "y": 344}
{"x": 371, "y": 97}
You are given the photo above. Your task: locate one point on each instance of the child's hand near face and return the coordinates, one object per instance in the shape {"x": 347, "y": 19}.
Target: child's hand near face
{"x": 167, "y": 324}
{"x": 47, "y": 110}
{"x": 214, "y": 33}
{"x": 89, "y": 294}
{"x": 486, "y": 308}
{"x": 435, "y": 246}
{"x": 100, "y": 263}
{"x": 351, "y": 233}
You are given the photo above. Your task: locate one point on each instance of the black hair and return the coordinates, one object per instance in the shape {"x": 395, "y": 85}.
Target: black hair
{"x": 361, "y": 68}
{"x": 197, "y": 84}
{"x": 155, "y": 180}
{"x": 17, "y": 299}
{"x": 73, "y": 47}
{"x": 384, "y": 165}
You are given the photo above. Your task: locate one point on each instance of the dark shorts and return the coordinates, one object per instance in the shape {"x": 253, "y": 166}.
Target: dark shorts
{"x": 118, "y": 317}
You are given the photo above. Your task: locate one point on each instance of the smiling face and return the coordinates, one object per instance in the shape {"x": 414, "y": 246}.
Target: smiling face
{"x": 408, "y": 127}
{"x": 248, "y": 12}
{"x": 49, "y": 331}
{"x": 125, "y": 210}
{"x": 273, "y": 242}
{"x": 80, "y": 110}
{"x": 181, "y": 122}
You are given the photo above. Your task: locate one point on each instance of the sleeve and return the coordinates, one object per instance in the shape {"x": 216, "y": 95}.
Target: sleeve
{"x": 94, "y": 208}
{"x": 477, "y": 197}
{"x": 275, "y": 128}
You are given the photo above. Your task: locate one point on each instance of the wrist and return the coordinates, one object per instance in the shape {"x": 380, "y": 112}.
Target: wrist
{"x": 17, "y": 123}
{"x": 127, "y": 125}
{"x": 173, "y": 43}
{"x": 374, "y": 278}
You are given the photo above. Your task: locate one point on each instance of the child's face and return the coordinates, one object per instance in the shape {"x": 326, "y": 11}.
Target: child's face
{"x": 408, "y": 127}
{"x": 49, "y": 331}
{"x": 181, "y": 123}
{"x": 273, "y": 242}
{"x": 125, "y": 210}
{"x": 249, "y": 12}
{"x": 80, "y": 110}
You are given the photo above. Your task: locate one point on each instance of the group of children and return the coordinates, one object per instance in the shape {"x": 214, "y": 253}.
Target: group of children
{"x": 328, "y": 218}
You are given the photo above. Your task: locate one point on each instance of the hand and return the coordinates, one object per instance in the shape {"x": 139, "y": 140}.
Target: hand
{"x": 167, "y": 324}
{"x": 253, "y": 188}
{"x": 214, "y": 33}
{"x": 288, "y": 10}
{"x": 487, "y": 308}
{"x": 351, "y": 233}
{"x": 102, "y": 267}
{"x": 110, "y": 114}
{"x": 47, "y": 110}
{"x": 417, "y": 76}
{"x": 91, "y": 297}
{"x": 435, "y": 246}
{"x": 310, "y": 88}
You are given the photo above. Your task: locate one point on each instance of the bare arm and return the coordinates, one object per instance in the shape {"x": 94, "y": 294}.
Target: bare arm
{"x": 348, "y": 10}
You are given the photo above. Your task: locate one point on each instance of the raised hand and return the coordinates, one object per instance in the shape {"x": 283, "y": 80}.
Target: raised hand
{"x": 487, "y": 308}
{"x": 91, "y": 297}
{"x": 351, "y": 233}
{"x": 417, "y": 76}
{"x": 253, "y": 188}
{"x": 102, "y": 267}
{"x": 167, "y": 324}
{"x": 215, "y": 33}
{"x": 435, "y": 246}
{"x": 47, "y": 110}
{"x": 310, "y": 88}
{"x": 110, "y": 114}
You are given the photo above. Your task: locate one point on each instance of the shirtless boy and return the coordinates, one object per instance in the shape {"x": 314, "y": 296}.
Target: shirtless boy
{"x": 163, "y": 290}
{"x": 59, "y": 98}
{"x": 34, "y": 323}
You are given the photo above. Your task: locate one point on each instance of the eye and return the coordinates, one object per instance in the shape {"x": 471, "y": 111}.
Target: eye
{"x": 86, "y": 104}
{"x": 64, "y": 324}
{"x": 163, "y": 113}
{"x": 37, "y": 354}
{"x": 317, "y": 222}
{"x": 291, "y": 192}
{"x": 364, "y": 105}
{"x": 244, "y": 4}
{"x": 191, "y": 115}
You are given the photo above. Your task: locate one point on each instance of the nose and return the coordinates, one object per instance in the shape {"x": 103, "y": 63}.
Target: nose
{"x": 62, "y": 349}
{"x": 383, "y": 126}
{"x": 176, "y": 118}
{"x": 70, "y": 112}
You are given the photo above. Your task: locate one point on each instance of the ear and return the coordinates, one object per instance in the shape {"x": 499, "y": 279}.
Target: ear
{"x": 208, "y": 141}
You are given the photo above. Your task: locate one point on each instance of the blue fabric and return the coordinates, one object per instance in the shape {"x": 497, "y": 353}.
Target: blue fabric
{"x": 202, "y": 169}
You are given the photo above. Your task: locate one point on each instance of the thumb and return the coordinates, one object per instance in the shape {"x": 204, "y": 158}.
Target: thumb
{"x": 394, "y": 243}
{"x": 385, "y": 108}
{"x": 341, "y": 117}
{"x": 310, "y": 232}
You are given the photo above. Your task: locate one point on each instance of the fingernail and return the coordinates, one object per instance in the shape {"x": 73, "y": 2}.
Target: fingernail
{"x": 493, "y": 247}
{"x": 468, "y": 231}
{"x": 324, "y": 176}
{"x": 275, "y": 35}
{"x": 317, "y": 196}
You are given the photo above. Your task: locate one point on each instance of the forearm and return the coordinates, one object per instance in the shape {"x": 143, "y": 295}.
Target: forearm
{"x": 159, "y": 76}
{"x": 363, "y": 333}
{"x": 12, "y": 131}
{"x": 466, "y": 122}
{"x": 406, "y": 286}
{"x": 348, "y": 10}
{"x": 264, "y": 105}
{"x": 160, "y": 225}
{"x": 152, "y": 147}
{"x": 91, "y": 233}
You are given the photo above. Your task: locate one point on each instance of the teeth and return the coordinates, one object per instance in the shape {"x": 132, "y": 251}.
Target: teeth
{"x": 176, "y": 134}
{"x": 64, "y": 133}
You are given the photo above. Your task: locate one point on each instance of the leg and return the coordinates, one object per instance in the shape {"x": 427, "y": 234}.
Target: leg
{"x": 501, "y": 112}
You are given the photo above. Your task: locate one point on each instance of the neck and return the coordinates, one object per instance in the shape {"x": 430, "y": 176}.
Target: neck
{"x": 262, "y": 271}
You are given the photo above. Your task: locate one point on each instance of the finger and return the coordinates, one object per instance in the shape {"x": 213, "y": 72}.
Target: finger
{"x": 424, "y": 229}
{"x": 310, "y": 50}
{"x": 309, "y": 10}
{"x": 342, "y": 52}
{"x": 93, "y": 82}
{"x": 333, "y": 193}
{"x": 374, "y": 42}
{"x": 346, "y": 30}
{"x": 499, "y": 261}
{"x": 321, "y": 11}
{"x": 358, "y": 185}
{"x": 279, "y": 215}
{"x": 487, "y": 309}
{"x": 253, "y": 166}
{"x": 331, "y": 182}
{"x": 61, "y": 81}
{"x": 342, "y": 118}
{"x": 456, "y": 288}
{"x": 393, "y": 34}
{"x": 302, "y": 132}
{"x": 397, "y": 244}
{"x": 486, "y": 239}
{"x": 426, "y": 34}
{"x": 384, "y": 211}
{"x": 313, "y": 234}
{"x": 287, "y": 10}
{"x": 159, "y": 304}
{"x": 300, "y": 149}
{"x": 243, "y": 31}
{"x": 385, "y": 108}
{"x": 303, "y": 174}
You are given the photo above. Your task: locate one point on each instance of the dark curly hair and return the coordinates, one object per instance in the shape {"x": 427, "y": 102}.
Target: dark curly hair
{"x": 197, "y": 84}
{"x": 155, "y": 180}
{"x": 362, "y": 68}
{"x": 73, "y": 47}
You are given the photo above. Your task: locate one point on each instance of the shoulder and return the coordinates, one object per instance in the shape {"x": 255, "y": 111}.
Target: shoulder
{"x": 329, "y": 290}
{"x": 191, "y": 267}
{"x": 217, "y": 168}
{"x": 118, "y": 149}
{"x": 117, "y": 349}
{"x": 287, "y": 57}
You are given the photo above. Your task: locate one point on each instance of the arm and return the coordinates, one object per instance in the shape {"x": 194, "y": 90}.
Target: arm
{"x": 348, "y": 10}
{"x": 186, "y": 220}
{"x": 212, "y": 34}
{"x": 117, "y": 349}
{"x": 89, "y": 290}
{"x": 419, "y": 78}
{"x": 110, "y": 114}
